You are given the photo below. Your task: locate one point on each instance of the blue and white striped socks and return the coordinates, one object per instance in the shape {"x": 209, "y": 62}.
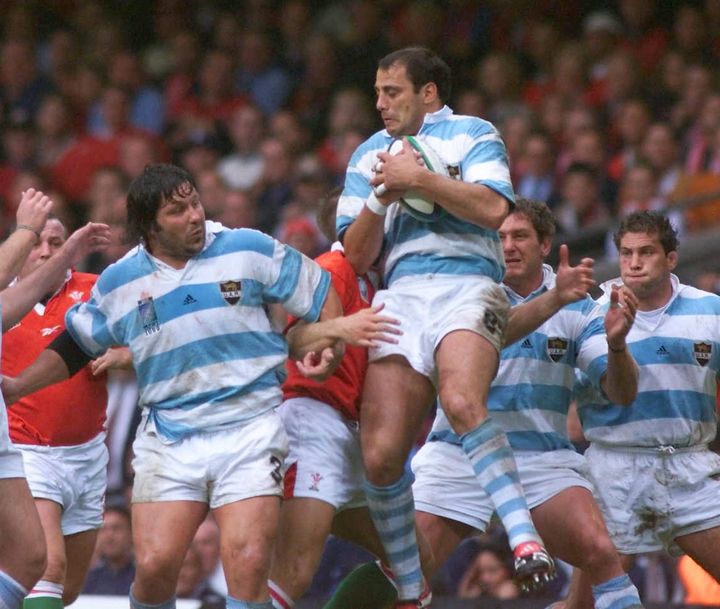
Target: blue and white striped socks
{"x": 492, "y": 459}
{"x": 393, "y": 511}
{"x": 616, "y": 593}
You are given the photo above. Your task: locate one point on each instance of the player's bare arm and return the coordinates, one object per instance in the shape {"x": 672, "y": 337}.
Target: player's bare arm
{"x": 620, "y": 382}
{"x": 49, "y": 368}
{"x": 472, "y": 202}
{"x": 117, "y": 358}
{"x": 18, "y": 299}
{"x": 572, "y": 283}
{"x": 30, "y": 219}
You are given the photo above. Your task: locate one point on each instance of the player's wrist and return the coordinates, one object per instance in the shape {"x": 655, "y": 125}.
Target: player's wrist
{"x": 374, "y": 205}
{"x": 615, "y": 348}
{"x": 30, "y": 229}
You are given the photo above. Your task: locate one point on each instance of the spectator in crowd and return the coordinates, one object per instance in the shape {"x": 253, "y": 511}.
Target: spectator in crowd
{"x": 489, "y": 574}
{"x": 243, "y": 167}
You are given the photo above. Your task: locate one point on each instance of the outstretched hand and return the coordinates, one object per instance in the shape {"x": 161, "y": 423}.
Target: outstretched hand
{"x": 367, "y": 327}
{"x": 620, "y": 315}
{"x": 93, "y": 237}
{"x": 33, "y": 209}
{"x": 573, "y": 282}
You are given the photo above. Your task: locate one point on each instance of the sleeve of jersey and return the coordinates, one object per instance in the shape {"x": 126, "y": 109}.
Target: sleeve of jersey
{"x": 592, "y": 356}
{"x": 88, "y": 325}
{"x": 300, "y": 284}
{"x": 357, "y": 187}
{"x": 486, "y": 161}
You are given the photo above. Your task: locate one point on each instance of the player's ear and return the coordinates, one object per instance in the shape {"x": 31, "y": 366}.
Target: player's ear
{"x": 430, "y": 93}
{"x": 672, "y": 260}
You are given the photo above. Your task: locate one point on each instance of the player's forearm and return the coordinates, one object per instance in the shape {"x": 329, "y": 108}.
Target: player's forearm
{"x": 620, "y": 382}
{"x": 527, "y": 317}
{"x": 49, "y": 368}
{"x": 363, "y": 240}
{"x": 305, "y": 338}
{"x": 13, "y": 253}
{"x": 472, "y": 202}
{"x": 20, "y": 298}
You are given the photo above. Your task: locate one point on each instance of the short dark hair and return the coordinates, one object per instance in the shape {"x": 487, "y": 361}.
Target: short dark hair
{"x": 539, "y": 215}
{"x": 155, "y": 184}
{"x": 651, "y": 223}
{"x": 422, "y": 66}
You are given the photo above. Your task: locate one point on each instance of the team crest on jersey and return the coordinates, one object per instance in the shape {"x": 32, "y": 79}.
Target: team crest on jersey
{"x": 231, "y": 291}
{"x": 148, "y": 315}
{"x": 315, "y": 486}
{"x": 76, "y": 295}
{"x": 702, "y": 352}
{"x": 556, "y": 348}
{"x": 454, "y": 172}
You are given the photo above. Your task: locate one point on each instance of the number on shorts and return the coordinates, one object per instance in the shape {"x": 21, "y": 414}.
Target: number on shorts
{"x": 276, "y": 464}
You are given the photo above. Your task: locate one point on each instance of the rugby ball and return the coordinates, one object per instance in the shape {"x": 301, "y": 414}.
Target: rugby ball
{"x": 414, "y": 203}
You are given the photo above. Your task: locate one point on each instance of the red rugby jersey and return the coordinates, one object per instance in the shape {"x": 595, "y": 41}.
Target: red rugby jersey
{"x": 343, "y": 389}
{"x": 65, "y": 414}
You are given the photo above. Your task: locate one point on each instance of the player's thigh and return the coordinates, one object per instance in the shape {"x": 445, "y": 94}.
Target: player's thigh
{"x": 304, "y": 526}
{"x": 79, "y": 549}
{"x": 248, "y": 530}
{"x": 573, "y": 529}
{"x": 702, "y": 547}
{"x": 50, "y": 514}
{"x": 395, "y": 401}
{"x": 467, "y": 363}
{"x": 22, "y": 542}
{"x": 162, "y": 532}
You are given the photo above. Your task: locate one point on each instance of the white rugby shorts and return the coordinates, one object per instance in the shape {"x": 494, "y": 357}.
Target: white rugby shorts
{"x": 75, "y": 477}
{"x": 324, "y": 461}
{"x": 649, "y": 497}
{"x": 432, "y": 306}
{"x": 11, "y": 461}
{"x": 216, "y": 468}
{"x": 446, "y": 485}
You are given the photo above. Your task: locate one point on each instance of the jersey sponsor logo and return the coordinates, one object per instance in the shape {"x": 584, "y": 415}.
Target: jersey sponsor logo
{"x": 556, "y": 347}
{"x": 231, "y": 291}
{"x": 316, "y": 478}
{"x": 76, "y": 295}
{"x": 148, "y": 315}
{"x": 189, "y": 300}
{"x": 49, "y": 331}
{"x": 702, "y": 352}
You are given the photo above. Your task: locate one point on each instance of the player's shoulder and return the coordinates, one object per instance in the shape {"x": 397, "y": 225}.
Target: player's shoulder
{"x": 694, "y": 300}
{"x": 463, "y": 123}
{"x": 241, "y": 239}
{"x": 132, "y": 266}
{"x": 378, "y": 141}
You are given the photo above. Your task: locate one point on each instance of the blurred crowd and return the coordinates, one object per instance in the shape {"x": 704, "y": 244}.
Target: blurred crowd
{"x": 605, "y": 107}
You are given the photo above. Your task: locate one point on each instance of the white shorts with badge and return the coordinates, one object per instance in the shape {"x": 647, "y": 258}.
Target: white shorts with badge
{"x": 324, "y": 461}
{"x": 11, "y": 461}
{"x": 432, "y": 306}
{"x": 649, "y": 497}
{"x": 446, "y": 485}
{"x": 217, "y": 467}
{"x": 75, "y": 477}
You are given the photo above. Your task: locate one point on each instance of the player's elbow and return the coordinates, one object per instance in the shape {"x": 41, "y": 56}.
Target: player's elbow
{"x": 497, "y": 212}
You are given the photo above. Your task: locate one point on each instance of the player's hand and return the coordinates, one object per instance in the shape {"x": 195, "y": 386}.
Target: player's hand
{"x": 93, "y": 237}
{"x": 367, "y": 327}
{"x": 620, "y": 316}
{"x": 10, "y": 389}
{"x": 33, "y": 209}
{"x": 320, "y": 366}
{"x": 117, "y": 358}
{"x": 396, "y": 173}
{"x": 573, "y": 282}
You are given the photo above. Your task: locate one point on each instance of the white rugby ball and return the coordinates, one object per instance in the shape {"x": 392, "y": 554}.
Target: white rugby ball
{"x": 421, "y": 208}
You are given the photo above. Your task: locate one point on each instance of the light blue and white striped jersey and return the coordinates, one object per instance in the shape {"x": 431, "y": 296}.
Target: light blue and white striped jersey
{"x": 204, "y": 351}
{"x": 531, "y": 393}
{"x": 677, "y": 349}
{"x": 474, "y": 152}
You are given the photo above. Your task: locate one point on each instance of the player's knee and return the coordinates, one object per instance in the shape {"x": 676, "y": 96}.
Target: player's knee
{"x": 599, "y": 554}
{"x": 463, "y": 412}
{"x": 153, "y": 570}
{"x": 34, "y": 564}
{"x": 383, "y": 465}
{"x": 250, "y": 564}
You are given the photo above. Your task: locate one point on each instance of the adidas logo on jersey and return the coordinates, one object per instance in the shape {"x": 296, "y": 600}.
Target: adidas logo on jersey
{"x": 526, "y": 344}
{"x": 662, "y": 350}
{"x": 189, "y": 300}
